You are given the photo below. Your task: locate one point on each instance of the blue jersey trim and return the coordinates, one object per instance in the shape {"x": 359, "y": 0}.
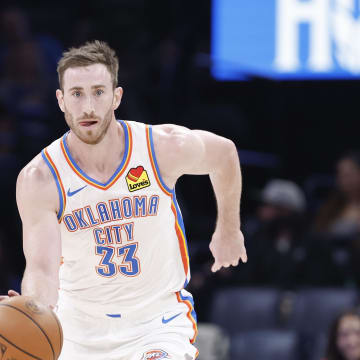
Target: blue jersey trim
{"x": 116, "y": 171}
{"x": 191, "y": 300}
{"x": 61, "y": 208}
{"x": 173, "y": 196}
{"x": 182, "y": 226}
{"x": 155, "y": 161}
{"x": 178, "y": 212}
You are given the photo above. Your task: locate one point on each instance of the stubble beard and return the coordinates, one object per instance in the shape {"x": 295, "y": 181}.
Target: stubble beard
{"x": 90, "y": 136}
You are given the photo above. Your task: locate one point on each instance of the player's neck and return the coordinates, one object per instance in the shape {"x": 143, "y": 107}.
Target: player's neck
{"x": 100, "y": 159}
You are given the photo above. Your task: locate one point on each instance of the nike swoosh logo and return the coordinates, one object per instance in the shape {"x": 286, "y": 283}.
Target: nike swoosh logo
{"x": 71, "y": 193}
{"x": 114, "y": 315}
{"x": 165, "y": 321}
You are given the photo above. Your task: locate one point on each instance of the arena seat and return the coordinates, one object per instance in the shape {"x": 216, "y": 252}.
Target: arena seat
{"x": 265, "y": 345}
{"x": 245, "y": 308}
{"x": 314, "y": 309}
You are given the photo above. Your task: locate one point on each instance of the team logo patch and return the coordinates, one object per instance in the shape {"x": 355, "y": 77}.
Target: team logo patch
{"x": 155, "y": 354}
{"x": 137, "y": 178}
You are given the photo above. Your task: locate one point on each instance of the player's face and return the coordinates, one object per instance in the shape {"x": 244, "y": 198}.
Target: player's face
{"x": 348, "y": 176}
{"x": 348, "y": 337}
{"x": 88, "y": 101}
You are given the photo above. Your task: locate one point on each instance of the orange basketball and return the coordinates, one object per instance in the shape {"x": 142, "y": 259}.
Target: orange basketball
{"x": 28, "y": 330}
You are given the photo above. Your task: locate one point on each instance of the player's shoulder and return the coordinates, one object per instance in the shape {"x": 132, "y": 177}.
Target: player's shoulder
{"x": 171, "y": 136}
{"x": 161, "y": 130}
{"x": 168, "y": 130}
{"x": 37, "y": 171}
{"x": 35, "y": 174}
{"x": 176, "y": 137}
{"x": 176, "y": 147}
{"x": 36, "y": 189}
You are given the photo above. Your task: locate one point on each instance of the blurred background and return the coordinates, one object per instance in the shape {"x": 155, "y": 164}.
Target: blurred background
{"x": 281, "y": 78}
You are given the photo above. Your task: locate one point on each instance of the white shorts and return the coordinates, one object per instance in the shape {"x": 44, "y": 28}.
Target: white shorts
{"x": 166, "y": 334}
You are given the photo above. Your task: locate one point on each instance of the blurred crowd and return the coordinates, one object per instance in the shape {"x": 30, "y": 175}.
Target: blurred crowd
{"x": 298, "y": 233}
{"x": 291, "y": 246}
{"x": 344, "y": 337}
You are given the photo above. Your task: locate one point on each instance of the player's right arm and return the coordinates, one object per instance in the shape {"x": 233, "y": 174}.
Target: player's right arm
{"x": 38, "y": 201}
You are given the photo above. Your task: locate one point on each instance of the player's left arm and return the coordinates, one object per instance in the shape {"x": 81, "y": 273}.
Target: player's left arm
{"x": 182, "y": 151}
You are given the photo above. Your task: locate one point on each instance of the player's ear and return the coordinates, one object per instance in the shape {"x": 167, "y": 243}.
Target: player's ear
{"x": 118, "y": 93}
{"x": 60, "y": 99}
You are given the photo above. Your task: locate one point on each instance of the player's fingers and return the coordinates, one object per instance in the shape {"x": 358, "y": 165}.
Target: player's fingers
{"x": 226, "y": 264}
{"x": 244, "y": 257}
{"x": 13, "y": 293}
{"x": 235, "y": 263}
{"x": 216, "y": 266}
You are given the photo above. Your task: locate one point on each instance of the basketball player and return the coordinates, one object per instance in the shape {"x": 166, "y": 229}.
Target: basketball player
{"x": 103, "y": 235}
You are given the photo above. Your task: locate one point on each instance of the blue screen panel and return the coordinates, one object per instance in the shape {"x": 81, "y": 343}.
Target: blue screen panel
{"x": 285, "y": 39}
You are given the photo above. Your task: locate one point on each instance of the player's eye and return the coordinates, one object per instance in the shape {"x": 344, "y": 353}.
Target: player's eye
{"x": 99, "y": 92}
{"x": 76, "y": 93}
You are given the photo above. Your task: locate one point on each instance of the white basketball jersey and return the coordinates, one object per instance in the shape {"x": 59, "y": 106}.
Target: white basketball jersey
{"x": 123, "y": 241}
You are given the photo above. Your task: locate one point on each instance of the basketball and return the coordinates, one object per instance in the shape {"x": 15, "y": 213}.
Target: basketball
{"x": 28, "y": 330}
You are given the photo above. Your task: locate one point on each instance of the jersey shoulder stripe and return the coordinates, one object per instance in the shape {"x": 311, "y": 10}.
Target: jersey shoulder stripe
{"x": 154, "y": 164}
{"x": 179, "y": 223}
{"x": 62, "y": 197}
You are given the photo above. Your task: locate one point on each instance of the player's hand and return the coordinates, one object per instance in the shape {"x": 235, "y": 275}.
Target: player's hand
{"x": 10, "y": 294}
{"x": 227, "y": 248}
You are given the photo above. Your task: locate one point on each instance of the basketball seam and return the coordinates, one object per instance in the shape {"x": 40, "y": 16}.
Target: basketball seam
{"x": 17, "y": 347}
{"x": 42, "y": 330}
{"x": 60, "y": 329}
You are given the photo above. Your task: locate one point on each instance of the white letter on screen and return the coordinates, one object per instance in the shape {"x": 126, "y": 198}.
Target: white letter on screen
{"x": 289, "y": 15}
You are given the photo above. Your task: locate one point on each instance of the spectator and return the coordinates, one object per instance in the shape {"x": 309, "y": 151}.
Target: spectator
{"x": 27, "y": 87}
{"x": 275, "y": 242}
{"x": 336, "y": 234}
{"x": 276, "y": 235}
{"x": 340, "y": 215}
{"x": 344, "y": 337}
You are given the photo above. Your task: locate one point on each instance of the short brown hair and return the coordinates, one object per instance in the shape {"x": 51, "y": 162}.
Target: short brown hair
{"x": 93, "y": 52}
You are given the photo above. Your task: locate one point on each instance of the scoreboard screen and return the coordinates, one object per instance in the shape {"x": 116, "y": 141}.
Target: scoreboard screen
{"x": 285, "y": 39}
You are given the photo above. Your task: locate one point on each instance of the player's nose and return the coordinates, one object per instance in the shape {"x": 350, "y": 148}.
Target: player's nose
{"x": 89, "y": 106}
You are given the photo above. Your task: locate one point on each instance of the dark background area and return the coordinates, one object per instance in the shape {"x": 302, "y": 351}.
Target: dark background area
{"x": 289, "y": 130}
{"x": 164, "y": 53}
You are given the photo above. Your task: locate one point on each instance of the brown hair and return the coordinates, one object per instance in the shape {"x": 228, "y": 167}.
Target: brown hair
{"x": 330, "y": 211}
{"x": 94, "y": 52}
{"x": 332, "y": 351}
{"x": 337, "y": 200}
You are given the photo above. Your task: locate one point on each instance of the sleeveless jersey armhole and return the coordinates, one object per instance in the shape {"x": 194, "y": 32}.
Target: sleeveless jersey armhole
{"x": 154, "y": 164}
{"x": 179, "y": 223}
{"x": 59, "y": 185}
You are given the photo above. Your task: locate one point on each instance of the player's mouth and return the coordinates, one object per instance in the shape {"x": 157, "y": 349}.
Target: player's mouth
{"x": 87, "y": 123}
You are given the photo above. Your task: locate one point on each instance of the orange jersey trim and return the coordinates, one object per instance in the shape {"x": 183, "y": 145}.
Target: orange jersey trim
{"x": 182, "y": 241}
{"x": 63, "y": 194}
{"x": 178, "y": 230}
{"x": 152, "y": 160}
{"x": 188, "y": 314}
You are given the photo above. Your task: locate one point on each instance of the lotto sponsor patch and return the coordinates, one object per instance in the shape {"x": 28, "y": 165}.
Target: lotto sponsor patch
{"x": 155, "y": 354}
{"x": 137, "y": 178}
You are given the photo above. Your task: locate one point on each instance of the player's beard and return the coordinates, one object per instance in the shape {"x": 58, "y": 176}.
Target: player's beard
{"x": 89, "y": 136}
